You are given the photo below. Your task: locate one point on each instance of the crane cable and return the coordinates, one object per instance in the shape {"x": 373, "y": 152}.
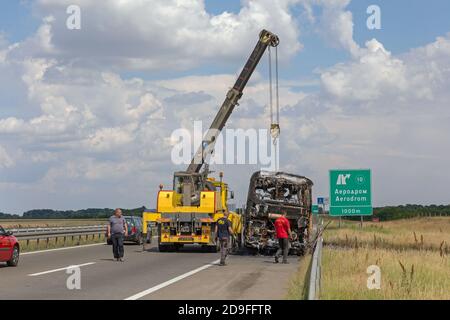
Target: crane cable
{"x": 274, "y": 126}
{"x": 276, "y": 87}
{"x": 270, "y": 88}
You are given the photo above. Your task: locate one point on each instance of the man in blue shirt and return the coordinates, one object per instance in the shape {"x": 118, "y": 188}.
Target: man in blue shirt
{"x": 223, "y": 232}
{"x": 117, "y": 228}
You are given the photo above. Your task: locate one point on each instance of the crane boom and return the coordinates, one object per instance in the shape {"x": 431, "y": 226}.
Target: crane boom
{"x": 266, "y": 39}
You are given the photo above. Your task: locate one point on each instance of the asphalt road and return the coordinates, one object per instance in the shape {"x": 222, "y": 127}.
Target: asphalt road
{"x": 188, "y": 274}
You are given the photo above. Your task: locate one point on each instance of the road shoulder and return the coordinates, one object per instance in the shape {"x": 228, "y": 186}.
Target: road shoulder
{"x": 244, "y": 277}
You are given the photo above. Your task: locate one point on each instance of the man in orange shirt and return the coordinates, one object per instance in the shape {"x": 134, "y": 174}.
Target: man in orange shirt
{"x": 283, "y": 233}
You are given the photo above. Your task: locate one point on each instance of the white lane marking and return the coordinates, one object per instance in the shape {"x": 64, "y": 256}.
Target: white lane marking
{"x": 66, "y": 248}
{"x": 171, "y": 281}
{"x": 60, "y": 269}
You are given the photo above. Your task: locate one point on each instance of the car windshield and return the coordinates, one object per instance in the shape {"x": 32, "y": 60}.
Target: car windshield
{"x": 2, "y": 231}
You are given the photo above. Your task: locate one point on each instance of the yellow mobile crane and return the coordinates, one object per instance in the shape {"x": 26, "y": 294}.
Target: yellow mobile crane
{"x": 187, "y": 214}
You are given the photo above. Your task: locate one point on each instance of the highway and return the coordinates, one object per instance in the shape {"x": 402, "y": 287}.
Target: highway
{"x": 188, "y": 274}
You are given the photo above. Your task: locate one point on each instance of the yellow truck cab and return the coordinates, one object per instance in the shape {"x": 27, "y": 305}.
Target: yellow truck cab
{"x": 179, "y": 224}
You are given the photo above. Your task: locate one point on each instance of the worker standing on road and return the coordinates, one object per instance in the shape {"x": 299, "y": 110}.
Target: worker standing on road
{"x": 117, "y": 228}
{"x": 283, "y": 232}
{"x": 223, "y": 232}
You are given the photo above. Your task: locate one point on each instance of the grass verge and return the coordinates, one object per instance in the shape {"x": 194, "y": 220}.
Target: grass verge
{"x": 413, "y": 257}
{"x": 298, "y": 288}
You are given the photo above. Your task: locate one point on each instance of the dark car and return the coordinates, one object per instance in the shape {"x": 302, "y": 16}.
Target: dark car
{"x": 9, "y": 248}
{"x": 134, "y": 230}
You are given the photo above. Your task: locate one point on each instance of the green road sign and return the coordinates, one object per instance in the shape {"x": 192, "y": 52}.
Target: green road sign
{"x": 350, "y": 193}
{"x": 315, "y": 209}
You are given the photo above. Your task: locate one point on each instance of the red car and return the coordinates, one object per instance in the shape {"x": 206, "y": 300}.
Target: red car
{"x": 9, "y": 248}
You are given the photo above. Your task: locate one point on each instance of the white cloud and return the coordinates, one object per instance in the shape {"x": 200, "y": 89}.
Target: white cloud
{"x": 157, "y": 34}
{"x": 335, "y": 24}
{"x": 375, "y": 73}
{"x": 5, "y": 160}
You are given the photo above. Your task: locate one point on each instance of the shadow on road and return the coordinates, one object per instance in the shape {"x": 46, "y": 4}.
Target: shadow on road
{"x": 110, "y": 259}
{"x": 184, "y": 249}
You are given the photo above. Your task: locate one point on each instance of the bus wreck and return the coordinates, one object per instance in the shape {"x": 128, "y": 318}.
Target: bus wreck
{"x": 269, "y": 194}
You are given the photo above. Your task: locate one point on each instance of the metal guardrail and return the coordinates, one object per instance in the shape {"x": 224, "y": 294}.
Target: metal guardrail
{"x": 316, "y": 261}
{"x": 41, "y": 230}
{"x": 316, "y": 270}
{"x": 58, "y": 232}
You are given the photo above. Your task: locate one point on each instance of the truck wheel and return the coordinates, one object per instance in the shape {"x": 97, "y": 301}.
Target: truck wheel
{"x": 14, "y": 258}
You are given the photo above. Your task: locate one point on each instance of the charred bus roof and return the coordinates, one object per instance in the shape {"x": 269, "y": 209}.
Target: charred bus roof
{"x": 277, "y": 187}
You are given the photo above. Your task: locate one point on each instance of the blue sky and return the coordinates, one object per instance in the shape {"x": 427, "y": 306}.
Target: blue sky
{"x": 405, "y": 23}
{"x": 17, "y": 20}
{"x": 85, "y": 117}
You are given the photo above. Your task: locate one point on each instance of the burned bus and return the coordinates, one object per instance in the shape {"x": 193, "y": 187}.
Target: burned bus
{"x": 269, "y": 194}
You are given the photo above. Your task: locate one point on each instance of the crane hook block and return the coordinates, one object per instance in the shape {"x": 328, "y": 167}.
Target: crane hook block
{"x": 269, "y": 38}
{"x": 275, "y": 130}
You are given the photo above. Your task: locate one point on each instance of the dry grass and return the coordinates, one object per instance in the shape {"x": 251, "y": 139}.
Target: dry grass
{"x": 298, "y": 288}
{"x": 413, "y": 256}
{"x": 419, "y": 233}
{"x": 48, "y": 223}
{"x": 404, "y": 275}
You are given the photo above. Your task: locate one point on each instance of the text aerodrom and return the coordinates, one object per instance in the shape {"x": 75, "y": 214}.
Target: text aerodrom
{"x": 343, "y": 195}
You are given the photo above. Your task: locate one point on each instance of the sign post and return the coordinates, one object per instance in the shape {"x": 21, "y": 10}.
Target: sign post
{"x": 315, "y": 209}
{"x": 326, "y": 202}
{"x": 315, "y": 213}
{"x": 350, "y": 193}
{"x": 321, "y": 204}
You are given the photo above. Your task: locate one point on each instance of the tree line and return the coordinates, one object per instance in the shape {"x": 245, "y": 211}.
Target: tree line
{"x": 91, "y": 213}
{"x": 411, "y": 211}
{"x": 407, "y": 211}
{"x": 382, "y": 213}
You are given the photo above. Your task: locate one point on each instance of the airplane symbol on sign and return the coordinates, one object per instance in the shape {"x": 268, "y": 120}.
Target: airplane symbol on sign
{"x": 342, "y": 179}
